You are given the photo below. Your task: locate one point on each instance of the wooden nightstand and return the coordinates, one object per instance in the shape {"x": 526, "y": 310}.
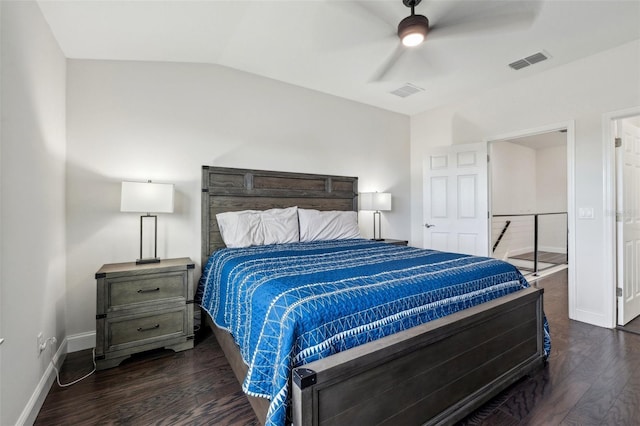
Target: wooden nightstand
{"x": 143, "y": 307}
{"x": 396, "y": 242}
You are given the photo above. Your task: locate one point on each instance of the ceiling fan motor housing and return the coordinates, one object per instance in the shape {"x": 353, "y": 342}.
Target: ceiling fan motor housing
{"x": 414, "y": 24}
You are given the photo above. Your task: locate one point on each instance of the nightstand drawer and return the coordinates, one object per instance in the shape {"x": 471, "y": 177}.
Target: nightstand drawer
{"x": 150, "y": 288}
{"x": 145, "y": 328}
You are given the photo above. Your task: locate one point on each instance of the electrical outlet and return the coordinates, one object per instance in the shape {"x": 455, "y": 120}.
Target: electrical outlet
{"x": 41, "y": 343}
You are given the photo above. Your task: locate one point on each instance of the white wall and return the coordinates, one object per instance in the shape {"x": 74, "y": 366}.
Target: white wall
{"x": 551, "y": 197}
{"x": 513, "y": 178}
{"x": 551, "y": 179}
{"x": 581, "y": 91}
{"x": 163, "y": 121}
{"x": 33, "y": 191}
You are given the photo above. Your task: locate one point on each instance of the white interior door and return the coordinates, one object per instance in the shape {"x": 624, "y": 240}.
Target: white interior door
{"x": 628, "y": 222}
{"x": 456, "y": 199}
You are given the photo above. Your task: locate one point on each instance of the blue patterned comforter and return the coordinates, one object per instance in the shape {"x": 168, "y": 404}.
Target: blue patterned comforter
{"x": 290, "y": 304}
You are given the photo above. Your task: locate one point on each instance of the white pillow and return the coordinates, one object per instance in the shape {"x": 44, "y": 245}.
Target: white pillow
{"x": 241, "y": 229}
{"x": 280, "y": 225}
{"x": 328, "y": 225}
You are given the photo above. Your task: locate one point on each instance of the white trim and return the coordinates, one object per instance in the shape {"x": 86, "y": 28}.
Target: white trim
{"x": 531, "y": 132}
{"x": 81, "y": 341}
{"x": 609, "y": 208}
{"x": 570, "y": 126}
{"x": 571, "y": 218}
{"x": 31, "y": 410}
{"x": 594, "y": 318}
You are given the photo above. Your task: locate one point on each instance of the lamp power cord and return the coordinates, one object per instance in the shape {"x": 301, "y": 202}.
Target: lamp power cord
{"x": 53, "y": 341}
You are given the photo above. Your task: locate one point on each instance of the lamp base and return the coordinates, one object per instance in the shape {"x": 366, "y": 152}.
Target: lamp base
{"x": 148, "y": 260}
{"x": 378, "y": 239}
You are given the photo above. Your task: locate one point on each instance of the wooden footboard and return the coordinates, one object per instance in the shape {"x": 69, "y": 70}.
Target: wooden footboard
{"x": 435, "y": 373}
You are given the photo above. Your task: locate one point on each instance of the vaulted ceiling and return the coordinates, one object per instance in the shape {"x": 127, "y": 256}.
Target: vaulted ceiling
{"x": 350, "y": 48}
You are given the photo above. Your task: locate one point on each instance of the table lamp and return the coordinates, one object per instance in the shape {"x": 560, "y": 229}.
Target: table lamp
{"x": 378, "y": 202}
{"x": 147, "y": 197}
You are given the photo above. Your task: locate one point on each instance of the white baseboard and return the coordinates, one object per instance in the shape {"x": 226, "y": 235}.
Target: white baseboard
{"x": 594, "y": 318}
{"x": 552, "y": 249}
{"x": 519, "y": 251}
{"x": 81, "y": 341}
{"x": 31, "y": 410}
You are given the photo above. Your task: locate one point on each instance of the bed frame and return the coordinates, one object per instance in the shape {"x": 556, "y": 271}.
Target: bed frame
{"x": 435, "y": 373}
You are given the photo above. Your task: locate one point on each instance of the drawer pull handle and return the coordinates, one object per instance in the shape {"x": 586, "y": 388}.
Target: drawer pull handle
{"x": 149, "y": 328}
{"x": 150, "y": 290}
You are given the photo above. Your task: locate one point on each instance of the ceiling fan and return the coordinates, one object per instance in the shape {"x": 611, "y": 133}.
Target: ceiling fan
{"x": 458, "y": 18}
{"x": 413, "y": 29}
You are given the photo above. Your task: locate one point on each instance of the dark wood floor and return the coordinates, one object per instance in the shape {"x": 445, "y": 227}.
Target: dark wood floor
{"x": 592, "y": 378}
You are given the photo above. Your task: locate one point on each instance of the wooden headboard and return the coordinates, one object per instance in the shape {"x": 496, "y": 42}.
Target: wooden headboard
{"x": 228, "y": 189}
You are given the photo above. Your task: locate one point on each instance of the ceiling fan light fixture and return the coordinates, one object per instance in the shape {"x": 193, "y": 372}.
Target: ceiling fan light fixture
{"x": 413, "y": 29}
{"x": 413, "y": 39}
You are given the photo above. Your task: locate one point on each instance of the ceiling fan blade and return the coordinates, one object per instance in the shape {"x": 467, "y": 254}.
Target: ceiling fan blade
{"x": 413, "y": 64}
{"x": 380, "y": 10}
{"x": 384, "y": 69}
{"x": 374, "y": 21}
{"x": 467, "y": 17}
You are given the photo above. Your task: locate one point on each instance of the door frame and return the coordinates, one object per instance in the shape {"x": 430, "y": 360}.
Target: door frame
{"x": 571, "y": 243}
{"x": 609, "y": 199}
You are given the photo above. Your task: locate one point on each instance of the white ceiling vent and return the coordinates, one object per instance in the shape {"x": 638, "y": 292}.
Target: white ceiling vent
{"x": 407, "y": 90}
{"x": 529, "y": 60}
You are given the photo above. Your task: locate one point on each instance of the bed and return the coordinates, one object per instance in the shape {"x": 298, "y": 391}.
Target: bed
{"x": 434, "y": 372}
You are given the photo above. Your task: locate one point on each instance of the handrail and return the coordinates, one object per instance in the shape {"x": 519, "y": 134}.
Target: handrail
{"x": 506, "y": 225}
{"x": 535, "y": 234}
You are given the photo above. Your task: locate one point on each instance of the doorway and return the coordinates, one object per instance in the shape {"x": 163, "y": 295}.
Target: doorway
{"x": 529, "y": 201}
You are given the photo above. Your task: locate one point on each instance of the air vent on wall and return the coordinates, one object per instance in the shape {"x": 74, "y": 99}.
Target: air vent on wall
{"x": 407, "y": 90}
{"x": 529, "y": 60}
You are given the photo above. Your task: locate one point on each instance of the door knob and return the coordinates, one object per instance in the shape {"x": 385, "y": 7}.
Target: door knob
{"x": 428, "y": 225}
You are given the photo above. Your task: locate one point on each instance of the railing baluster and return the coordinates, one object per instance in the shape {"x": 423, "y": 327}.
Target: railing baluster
{"x": 506, "y": 225}
{"x": 535, "y": 245}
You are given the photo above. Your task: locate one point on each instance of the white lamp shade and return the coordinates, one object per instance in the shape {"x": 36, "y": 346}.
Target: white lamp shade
{"x": 147, "y": 197}
{"x": 377, "y": 201}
